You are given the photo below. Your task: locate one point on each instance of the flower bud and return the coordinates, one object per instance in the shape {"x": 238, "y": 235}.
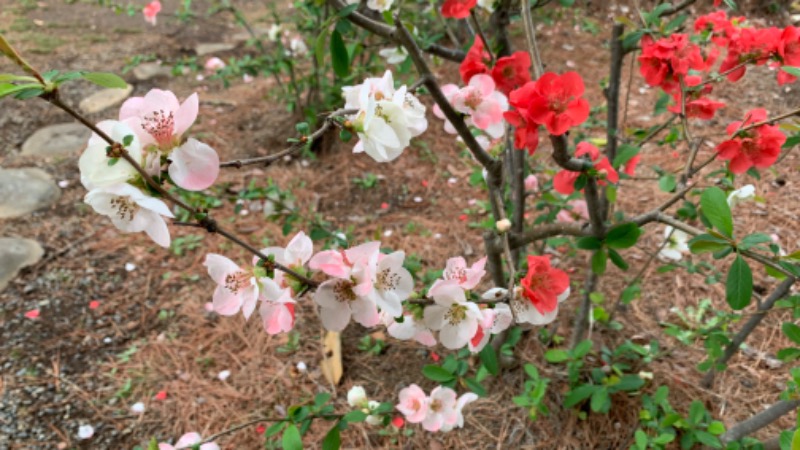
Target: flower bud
{"x": 503, "y": 225}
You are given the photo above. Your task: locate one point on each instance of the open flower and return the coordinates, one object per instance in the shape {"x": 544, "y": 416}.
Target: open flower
{"x": 236, "y": 288}
{"x": 483, "y": 104}
{"x": 413, "y": 403}
{"x": 442, "y": 406}
{"x": 189, "y": 441}
{"x": 194, "y": 165}
{"x": 555, "y": 101}
{"x": 277, "y": 307}
{"x": 458, "y": 421}
{"x": 466, "y": 277}
{"x": 512, "y": 72}
{"x": 132, "y": 211}
{"x": 456, "y": 318}
{"x": 676, "y": 246}
{"x": 97, "y": 169}
{"x": 743, "y": 194}
{"x": 458, "y": 9}
{"x": 409, "y": 328}
{"x": 543, "y": 284}
{"x": 758, "y": 147}
{"x": 393, "y": 283}
{"x": 296, "y": 254}
{"x": 576, "y": 210}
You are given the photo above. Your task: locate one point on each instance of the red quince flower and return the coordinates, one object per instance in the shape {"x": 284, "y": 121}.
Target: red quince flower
{"x": 758, "y": 147}
{"x": 458, "y": 9}
{"x": 564, "y": 181}
{"x": 752, "y": 45}
{"x": 511, "y": 72}
{"x": 630, "y": 167}
{"x": 668, "y": 60}
{"x": 543, "y": 284}
{"x": 526, "y": 136}
{"x": 475, "y": 62}
{"x": 554, "y": 101}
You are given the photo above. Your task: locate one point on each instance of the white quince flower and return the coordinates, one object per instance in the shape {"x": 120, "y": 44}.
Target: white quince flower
{"x": 97, "y": 169}
{"x": 677, "y": 245}
{"x": 380, "y": 5}
{"x": 744, "y": 193}
{"x": 456, "y": 318}
{"x": 132, "y": 211}
{"x": 394, "y": 55}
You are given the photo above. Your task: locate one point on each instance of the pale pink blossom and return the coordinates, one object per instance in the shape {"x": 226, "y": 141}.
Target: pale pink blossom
{"x": 189, "y": 441}
{"x": 132, "y": 211}
{"x": 294, "y": 256}
{"x": 531, "y": 183}
{"x": 150, "y": 11}
{"x": 466, "y": 277}
{"x": 159, "y": 118}
{"x": 442, "y": 405}
{"x": 194, "y": 165}
{"x": 409, "y": 328}
{"x": 214, "y": 64}
{"x": 463, "y": 401}
{"x": 576, "y": 210}
{"x": 236, "y": 288}
{"x": 452, "y": 315}
{"x": 494, "y": 320}
{"x": 483, "y": 104}
{"x": 277, "y": 307}
{"x": 413, "y": 404}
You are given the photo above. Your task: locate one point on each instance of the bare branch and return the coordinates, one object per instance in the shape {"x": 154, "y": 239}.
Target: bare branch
{"x": 759, "y": 421}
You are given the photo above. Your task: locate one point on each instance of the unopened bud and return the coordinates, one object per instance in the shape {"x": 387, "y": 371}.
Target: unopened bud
{"x": 348, "y": 124}
{"x": 646, "y": 375}
{"x": 503, "y": 225}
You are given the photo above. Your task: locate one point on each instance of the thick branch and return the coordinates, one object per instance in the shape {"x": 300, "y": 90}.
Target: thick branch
{"x": 760, "y": 420}
{"x": 781, "y": 291}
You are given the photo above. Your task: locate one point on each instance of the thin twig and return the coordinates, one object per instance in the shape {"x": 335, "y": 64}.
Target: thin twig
{"x": 759, "y": 421}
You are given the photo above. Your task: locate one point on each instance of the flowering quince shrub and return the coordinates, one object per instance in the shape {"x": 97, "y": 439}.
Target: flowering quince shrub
{"x": 505, "y": 110}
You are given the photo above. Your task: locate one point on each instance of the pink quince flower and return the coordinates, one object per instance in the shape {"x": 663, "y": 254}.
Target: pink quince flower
{"x": 531, "y": 183}
{"x": 213, "y": 64}
{"x": 463, "y": 401}
{"x": 495, "y": 320}
{"x": 442, "y": 405}
{"x": 150, "y": 11}
{"x": 352, "y": 292}
{"x": 413, "y": 404}
{"x": 160, "y": 121}
{"x": 409, "y": 328}
{"x": 452, "y": 315}
{"x": 466, "y": 277}
{"x": 294, "y": 256}
{"x": 576, "y": 210}
{"x": 188, "y": 441}
{"x": 483, "y": 104}
{"x": 277, "y": 307}
{"x": 236, "y": 288}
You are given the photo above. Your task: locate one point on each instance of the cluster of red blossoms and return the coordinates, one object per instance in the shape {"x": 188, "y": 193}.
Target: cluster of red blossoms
{"x": 458, "y": 9}
{"x": 751, "y": 147}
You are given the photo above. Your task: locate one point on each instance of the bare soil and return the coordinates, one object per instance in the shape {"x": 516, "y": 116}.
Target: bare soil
{"x": 151, "y": 333}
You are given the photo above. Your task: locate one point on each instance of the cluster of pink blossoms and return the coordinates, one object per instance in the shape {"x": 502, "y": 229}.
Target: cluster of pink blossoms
{"x": 152, "y": 130}
{"x": 441, "y": 411}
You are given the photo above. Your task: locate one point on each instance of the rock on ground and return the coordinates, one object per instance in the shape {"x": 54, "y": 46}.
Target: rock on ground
{"x": 148, "y": 71}
{"x": 57, "y": 140}
{"x": 207, "y": 49}
{"x": 102, "y": 100}
{"x": 16, "y": 254}
{"x": 25, "y": 190}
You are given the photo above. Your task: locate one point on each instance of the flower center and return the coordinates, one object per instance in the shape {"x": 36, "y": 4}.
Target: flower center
{"x": 387, "y": 280}
{"x": 436, "y": 405}
{"x": 473, "y": 99}
{"x": 126, "y": 208}
{"x": 160, "y": 125}
{"x": 750, "y": 147}
{"x": 236, "y": 281}
{"x": 457, "y": 273}
{"x": 344, "y": 292}
{"x": 456, "y": 314}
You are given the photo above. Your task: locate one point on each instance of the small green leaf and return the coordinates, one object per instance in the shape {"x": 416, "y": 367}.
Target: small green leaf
{"x": 641, "y": 439}
{"x": 437, "y": 373}
{"x": 707, "y": 439}
{"x": 667, "y": 183}
{"x": 274, "y": 429}
{"x": 291, "y": 438}
{"x": 556, "y": 356}
{"x": 794, "y": 71}
{"x": 739, "y": 285}
{"x": 105, "y": 79}
{"x": 715, "y": 208}
{"x": 475, "y": 387}
{"x": 628, "y": 383}
{"x": 489, "y": 360}
{"x": 153, "y": 444}
{"x": 601, "y": 401}
{"x": 589, "y": 243}
{"x": 599, "y": 262}
{"x": 625, "y": 153}
{"x": 706, "y": 243}
{"x": 716, "y": 428}
{"x": 8, "y": 88}
{"x": 579, "y": 394}
{"x": 754, "y": 239}
{"x": 332, "y": 440}
{"x": 339, "y": 55}
{"x": 127, "y": 140}
{"x": 112, "y": 161}
{"x": 319, "y": 46}
{"x": 788, "y": 354}
{"x": 582, "y": 349}
{"x": 355, "y": 416}
{"x": 346, "y": 11}
{"x": 623, "y": 236}
{"x": 617, "y": 259}
{"x": 791, "y": 331}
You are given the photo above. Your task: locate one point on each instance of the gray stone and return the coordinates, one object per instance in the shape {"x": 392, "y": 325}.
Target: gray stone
{"x": 148, "y": 71}
{"x": 25, "y": 190}
{"x": 16, "y": 254}
{"x": 57, "y": 140}
{"x": 207, "y": 49}
{"x": 102, "y": 100}
{"x": 244, "y": 36}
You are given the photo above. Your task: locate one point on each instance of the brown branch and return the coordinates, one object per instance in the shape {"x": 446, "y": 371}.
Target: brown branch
{"x": 759, "y": 420}
{"x": 781, "y": 291}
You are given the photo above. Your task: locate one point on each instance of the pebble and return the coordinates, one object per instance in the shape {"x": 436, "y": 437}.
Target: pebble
{"x": 63, "y": 139}
{"x": 102, "y": 100}
{"x": 216, "y": 47}
{"x": 16, "y": 254}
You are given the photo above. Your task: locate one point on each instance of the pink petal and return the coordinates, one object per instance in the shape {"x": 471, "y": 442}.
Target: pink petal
{"x": 195, "y": 165}
{"x": 186, "y": 114}
{"x": 32, "y": 314}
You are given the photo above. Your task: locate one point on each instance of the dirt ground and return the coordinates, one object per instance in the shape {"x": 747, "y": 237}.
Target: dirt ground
{"x": 151, "y": 333}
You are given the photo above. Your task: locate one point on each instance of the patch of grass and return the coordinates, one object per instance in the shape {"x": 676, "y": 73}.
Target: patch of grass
{"x": 21, "y": 24}
{"x": 123, "y": 30}
{"x": 44, "y": 44}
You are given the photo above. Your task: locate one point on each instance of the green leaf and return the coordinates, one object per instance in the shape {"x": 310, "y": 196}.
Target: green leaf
{"x": 8, "y": 88}
{"x": 589, "y": 243}
{"x": 319, "y": 46}
{"x": 788, "y": 354}
{"x": 475, "y": 387}
{"x": 795, "y": 71}
{"x": 579, "y": 394}
{"x": 617, "y": 259}
{"x": 696, "y": 412}
{"x": 582, "y": 349}
{"x": 667, "y": 183}
{"x": 274, "y": 429}
{"x": 623, "y": 236}
{"x": 355, "y": 416}
{"x": 291, "y": 438}
{"x": 716, "y": 428}
{"x": 625, "y": 153}
{"x": 707, "y": 439}
{"x": 641, "y": 439}
{"x": 436, "y": 373}
{"x": 6, "y": 77}
{"x": 332, "y": 440}
{"x": 715, "y": 207}
{"x": 346, "y": 11}
{"x": 112, "y": 162}
{"x": 105, "y": 79}
{"x": 705, "y": 243}
{"x": 754, "y": 239}
{"x": 739, "y": 285}
{"x": 489, "y": 360}
{"x": 556, "y": 356}
{"x": 628, "y": 383}
{"x": 791, "y": 331}
{"x": 601, "y": 401}
{"x": 153, "y": 444}
{"x": 796, "y": 440}
{"x": 127, "y": 140}
{"x": 339, "y": 55}
{"x": 630, "y": 293}
{"x": 599, "y": 259}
